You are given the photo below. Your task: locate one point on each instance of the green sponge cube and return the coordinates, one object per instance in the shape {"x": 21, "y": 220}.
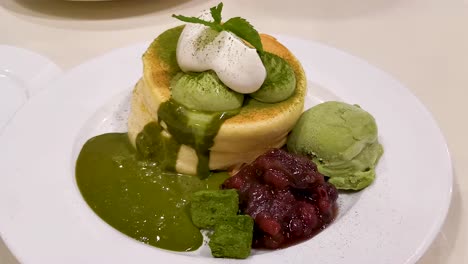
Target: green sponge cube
{"x": 232, "y": 237}
{"x": 242, "y": 223}
{"x": 209, "y": 206}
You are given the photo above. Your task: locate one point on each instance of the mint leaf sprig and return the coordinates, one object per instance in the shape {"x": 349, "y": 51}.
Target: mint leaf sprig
{"x": 216, "y": 12}
{"x": 237, "y": 25}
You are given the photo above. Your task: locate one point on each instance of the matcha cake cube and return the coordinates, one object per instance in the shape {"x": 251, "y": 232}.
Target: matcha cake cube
{"x": 209, "y": 206}
{"x": 232, "y": 237}
{"x": 237, "y": 223}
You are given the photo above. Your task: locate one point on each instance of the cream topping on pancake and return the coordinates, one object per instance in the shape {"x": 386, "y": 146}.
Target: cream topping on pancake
{"x": 238, "y": 66}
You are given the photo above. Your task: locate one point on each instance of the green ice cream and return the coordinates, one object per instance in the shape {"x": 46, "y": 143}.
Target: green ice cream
{"x": 342, "y": 140}
{"x": 204, "y": 91}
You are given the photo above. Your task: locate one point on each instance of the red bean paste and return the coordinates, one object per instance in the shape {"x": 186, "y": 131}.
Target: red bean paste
{"x": 287, "y": 197}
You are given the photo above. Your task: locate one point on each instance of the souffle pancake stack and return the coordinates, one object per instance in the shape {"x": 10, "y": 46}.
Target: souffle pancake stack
{"x": 241, "y": 138}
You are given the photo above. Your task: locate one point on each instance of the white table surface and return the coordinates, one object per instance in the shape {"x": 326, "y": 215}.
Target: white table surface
{"x": 422, "y": 43}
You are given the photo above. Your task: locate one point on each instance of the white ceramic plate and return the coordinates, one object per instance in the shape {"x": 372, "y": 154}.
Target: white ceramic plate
{"x": 45, "y": 220}
{"x": 22, "y": 74}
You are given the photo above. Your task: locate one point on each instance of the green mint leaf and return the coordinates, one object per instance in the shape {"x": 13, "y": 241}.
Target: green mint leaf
{"x": 237, "y": 25}
{"x": 216, "y": 12}
{"x": 243, "y": 29}
{"x": 197, "y": 20}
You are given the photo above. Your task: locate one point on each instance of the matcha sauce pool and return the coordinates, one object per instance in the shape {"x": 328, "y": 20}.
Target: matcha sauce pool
{"x": 136, "y": 197}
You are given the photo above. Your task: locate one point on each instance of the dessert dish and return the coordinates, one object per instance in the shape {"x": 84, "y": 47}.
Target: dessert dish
{"x": 205, "y": 148}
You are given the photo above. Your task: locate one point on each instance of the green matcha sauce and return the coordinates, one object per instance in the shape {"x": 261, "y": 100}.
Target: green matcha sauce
{"x": 194, "y": 128}
{"x": 136, "y": 197}
{"x": 137, "y": 191}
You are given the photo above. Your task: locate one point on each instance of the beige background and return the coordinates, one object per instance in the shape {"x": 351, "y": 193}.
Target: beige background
{"x": 422, "y": 43}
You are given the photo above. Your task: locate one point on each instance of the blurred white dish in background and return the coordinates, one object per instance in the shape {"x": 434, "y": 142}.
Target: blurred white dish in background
{"x": 22, "y": 74}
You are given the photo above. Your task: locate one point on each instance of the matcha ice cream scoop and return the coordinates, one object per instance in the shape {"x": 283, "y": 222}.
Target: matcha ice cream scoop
{"x": 342, "y": 140}
{"x": 280, "y": 82}
{"x": 205, "y": 92}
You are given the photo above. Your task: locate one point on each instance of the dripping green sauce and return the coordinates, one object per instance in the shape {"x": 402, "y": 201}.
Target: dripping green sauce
{"x": 137, "y": 190}
{"x": 185, "y": 126}
{"x": 193, "y": 128}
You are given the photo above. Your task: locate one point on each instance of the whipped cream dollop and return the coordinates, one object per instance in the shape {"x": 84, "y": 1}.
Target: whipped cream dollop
{"x": 238, "y": 66}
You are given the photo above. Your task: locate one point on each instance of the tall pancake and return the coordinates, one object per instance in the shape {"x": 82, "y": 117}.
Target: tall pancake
{"x": 241, "y": 138}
